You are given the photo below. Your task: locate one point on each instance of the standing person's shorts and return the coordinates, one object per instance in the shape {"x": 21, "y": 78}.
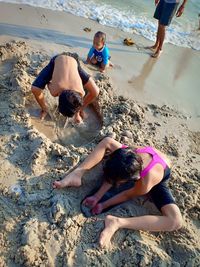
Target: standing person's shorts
{"x": 46, "y": 73}
{"x": 165, "y": 11}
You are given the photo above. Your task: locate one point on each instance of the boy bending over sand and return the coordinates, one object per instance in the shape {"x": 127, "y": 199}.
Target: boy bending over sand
{"x": 66, "y": 79}
{"x": 148, "y": 168}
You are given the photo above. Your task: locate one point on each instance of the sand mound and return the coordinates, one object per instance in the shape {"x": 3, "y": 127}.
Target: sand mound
{"x": 44, "y": 227}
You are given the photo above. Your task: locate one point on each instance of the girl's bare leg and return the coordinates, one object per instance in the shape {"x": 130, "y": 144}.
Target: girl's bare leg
{"x": 170, "y": 221}
{"x": 74, "y": 178}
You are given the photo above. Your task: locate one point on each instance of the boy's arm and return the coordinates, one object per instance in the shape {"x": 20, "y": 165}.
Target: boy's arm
{"x": 93, "y": 92}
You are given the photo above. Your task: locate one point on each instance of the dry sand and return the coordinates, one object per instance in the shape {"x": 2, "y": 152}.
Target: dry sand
{"x": 45, "y": 227}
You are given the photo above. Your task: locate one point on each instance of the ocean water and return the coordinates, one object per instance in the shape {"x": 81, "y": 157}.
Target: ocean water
{"x": 134, "y": 16}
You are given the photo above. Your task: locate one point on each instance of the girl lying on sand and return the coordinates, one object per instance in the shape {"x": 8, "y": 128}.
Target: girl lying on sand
{"x": 148, "y": 168}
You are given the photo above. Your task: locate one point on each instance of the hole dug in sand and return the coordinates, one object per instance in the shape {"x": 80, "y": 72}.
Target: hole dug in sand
{"x": 63, "y": 130}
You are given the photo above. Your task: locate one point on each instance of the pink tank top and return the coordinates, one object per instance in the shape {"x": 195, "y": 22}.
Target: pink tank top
{"x": 155, "y": 159}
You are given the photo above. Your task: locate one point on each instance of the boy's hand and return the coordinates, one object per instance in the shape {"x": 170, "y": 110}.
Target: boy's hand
{"x": 43, "y": 114}
{"x": 156, "y": 2}
{"x": 97, "y": 209}
{"x": 78, "y": 117}
{"x": 90, "y": 201}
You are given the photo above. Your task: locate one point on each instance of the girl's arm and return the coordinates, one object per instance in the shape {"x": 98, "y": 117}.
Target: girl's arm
{"x": 102, "y": 190}
{"x": 92, "y": 201}
{"x": 141, "y": 188}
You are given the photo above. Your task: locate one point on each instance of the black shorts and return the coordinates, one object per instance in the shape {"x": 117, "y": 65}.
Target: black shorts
{"x": 160, "y": 193}
{"x": 165, "y": 11}
{"x": 46, "y": 73}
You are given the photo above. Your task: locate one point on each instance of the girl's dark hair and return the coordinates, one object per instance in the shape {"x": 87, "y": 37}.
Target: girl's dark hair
{"x": 69, "y": 103}
{"x": 122, "y": 165}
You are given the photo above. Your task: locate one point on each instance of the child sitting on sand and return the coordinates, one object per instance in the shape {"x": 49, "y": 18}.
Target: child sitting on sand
{"x": 99, "y": 53}
{"x": 148, "y": 168}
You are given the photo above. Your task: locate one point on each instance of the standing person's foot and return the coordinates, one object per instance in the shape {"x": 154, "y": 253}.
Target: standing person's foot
{"x": 72, "y": 179}
{"x": 111, "y": 226}
{"x": 152, "y": 48}
{"x": 157, "y": 54}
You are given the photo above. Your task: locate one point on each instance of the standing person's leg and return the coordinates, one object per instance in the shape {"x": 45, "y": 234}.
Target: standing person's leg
{"x": 157, "y": 15}
{"x": 170, "y": 221}
{"x": 161, "y": 38}
{"x": 155, "y": 46}
{"x": 164, "y": 13}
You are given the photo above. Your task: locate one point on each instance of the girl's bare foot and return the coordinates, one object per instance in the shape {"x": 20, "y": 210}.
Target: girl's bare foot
{"x": 72, "y": 179}
{"x": 111, "y": 226}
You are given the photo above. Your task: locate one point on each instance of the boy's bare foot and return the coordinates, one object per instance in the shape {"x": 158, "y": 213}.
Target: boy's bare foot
{"x": 157, "y": 54}
{"x": 72, "y": 179}
{"x": 111, "y": 226}
{"x": 43, "y": 114}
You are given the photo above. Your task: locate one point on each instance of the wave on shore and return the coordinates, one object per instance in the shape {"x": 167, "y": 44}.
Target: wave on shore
{"x": 131, "y": 21}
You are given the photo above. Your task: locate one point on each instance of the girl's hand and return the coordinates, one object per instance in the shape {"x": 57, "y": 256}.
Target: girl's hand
{"x": 90, "y": 201}
{"x": 97, "y": 209}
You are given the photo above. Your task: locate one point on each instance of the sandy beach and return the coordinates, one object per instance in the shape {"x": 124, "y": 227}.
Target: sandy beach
{"x": 155, "y": 101}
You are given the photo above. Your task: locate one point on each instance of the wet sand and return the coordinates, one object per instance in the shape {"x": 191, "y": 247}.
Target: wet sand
{"x": 41, "y": 226}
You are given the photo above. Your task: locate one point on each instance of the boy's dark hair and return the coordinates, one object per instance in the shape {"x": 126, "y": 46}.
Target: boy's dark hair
{"x": 101, "y": 35}
{"x": 122, "y": 165}
{"x": 69, "y": 103}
